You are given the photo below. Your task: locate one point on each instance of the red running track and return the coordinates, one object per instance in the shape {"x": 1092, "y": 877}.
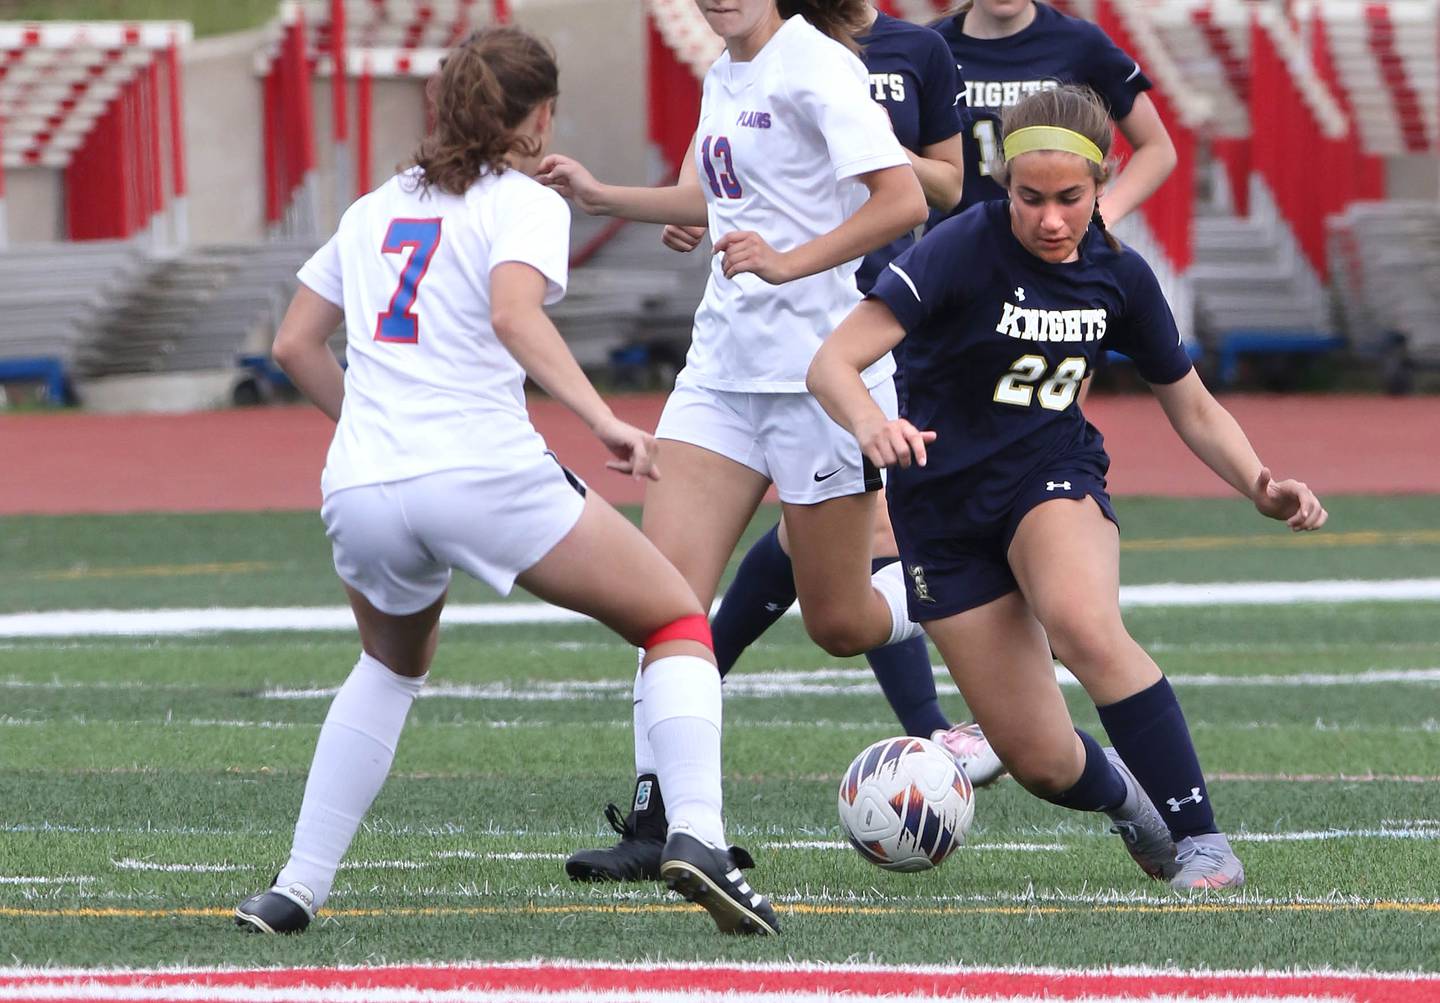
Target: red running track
{"x": 270, "y": 458}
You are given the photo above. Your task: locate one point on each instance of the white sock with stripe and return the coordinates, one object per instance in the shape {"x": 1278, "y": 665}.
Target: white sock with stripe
{"x": 644, "y": 755}
{"x": 682, "y": 710}
{"x": 889, "y": 581}
{"x": 352, "y": 760}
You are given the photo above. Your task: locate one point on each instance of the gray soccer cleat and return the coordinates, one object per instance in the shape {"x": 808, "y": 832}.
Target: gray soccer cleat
{"x": 1207, "y": 862}
{"x": 1136, "y": 821}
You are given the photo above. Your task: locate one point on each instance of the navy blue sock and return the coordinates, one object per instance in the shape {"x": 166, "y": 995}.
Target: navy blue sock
{"x": 1149, "y": 732}
{"x": 1100, "y": 786}
{"x": 905, "y": 676}
{"x": 763, "y": 589}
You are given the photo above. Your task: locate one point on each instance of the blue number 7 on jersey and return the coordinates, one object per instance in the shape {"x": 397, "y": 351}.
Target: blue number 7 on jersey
{"x": 400, "y": 323}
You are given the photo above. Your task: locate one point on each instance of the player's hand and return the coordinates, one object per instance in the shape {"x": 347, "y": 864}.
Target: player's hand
{"x": 682, "y": 238}
{"x": 570, "y": 178}
{"x": 634, "y": 450}
{"x": 1291, "y": 501}
{"x": 746, "y": 251}
{"x": 893, "y": 442}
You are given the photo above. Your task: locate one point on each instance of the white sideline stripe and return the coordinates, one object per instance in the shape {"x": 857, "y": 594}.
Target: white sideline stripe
{"x": 1117, "y": 971}
{"x": 131, "y": 864}
{"x": 109, "y": 622}
{"x": 844, "y": 681}
{"x": 315, "y": 994}
{"x": 74, "y": 879}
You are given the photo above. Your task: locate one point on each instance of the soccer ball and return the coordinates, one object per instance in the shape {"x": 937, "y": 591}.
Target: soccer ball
{"x": 905, "y": 805}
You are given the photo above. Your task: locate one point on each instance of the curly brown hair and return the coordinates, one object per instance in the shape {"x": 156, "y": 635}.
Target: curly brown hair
{"x": 487, "y": 85}
{"x": 842, "y": 20}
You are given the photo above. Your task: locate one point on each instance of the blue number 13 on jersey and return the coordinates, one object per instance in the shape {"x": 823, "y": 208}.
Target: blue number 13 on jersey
{"x": 724, "y": 183}
{"x": 400, "y": 323}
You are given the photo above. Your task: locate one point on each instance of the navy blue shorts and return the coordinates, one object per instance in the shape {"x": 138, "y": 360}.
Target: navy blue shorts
{"x": 949, "y": 573}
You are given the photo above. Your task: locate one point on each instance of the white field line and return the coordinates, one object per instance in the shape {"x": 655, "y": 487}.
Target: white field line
{"x": 131, "y": 864}
{"x": 838, "y": 682}
{"x": 70, "y": 879}
{"x": 96, "y": 622}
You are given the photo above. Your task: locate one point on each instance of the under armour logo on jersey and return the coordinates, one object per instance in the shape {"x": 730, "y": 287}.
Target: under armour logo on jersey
{"x": 922, "y": 588}
{"x": 1057, "y": 485}
{"x": 642, "y": 795}
{"x": 1019, "y": 294}
{"x": 1195, "y": 798}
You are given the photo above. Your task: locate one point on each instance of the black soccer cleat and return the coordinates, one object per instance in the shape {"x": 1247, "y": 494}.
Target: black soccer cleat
{"x": 642, "y": 838}
{"x": 710, "y": 877}
{"x": 276, "y": 910}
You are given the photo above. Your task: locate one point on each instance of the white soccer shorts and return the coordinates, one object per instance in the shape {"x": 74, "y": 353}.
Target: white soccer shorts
{"x": 397, "y": 542}
{"x": 786, "y": 437}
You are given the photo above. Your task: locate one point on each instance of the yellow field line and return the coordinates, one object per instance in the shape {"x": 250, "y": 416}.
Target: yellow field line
{"x": 158, "y": 571}
{"x": 1361, "y": 538}
{"x": 799, "y": 909}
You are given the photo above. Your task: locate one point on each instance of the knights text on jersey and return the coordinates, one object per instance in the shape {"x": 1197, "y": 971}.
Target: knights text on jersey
{"x": 780, "y": 143}
{"x": 997, "y": 344}
{"x": 428, "y": 386}
{"x": 998, "y": 72}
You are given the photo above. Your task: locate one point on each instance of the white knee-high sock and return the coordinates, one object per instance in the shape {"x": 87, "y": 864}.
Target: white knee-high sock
{"x": 682, "y": 709}
{"x": 889, "y": 581}
{"x": 352, "y": 759}
{"x": 644, "y": 755}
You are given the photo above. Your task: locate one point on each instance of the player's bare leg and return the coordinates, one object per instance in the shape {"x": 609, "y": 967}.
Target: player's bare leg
{"x": 845, "y": 611}
{"x": 1000, "y": 659}
{"x": 1066, "y": 557}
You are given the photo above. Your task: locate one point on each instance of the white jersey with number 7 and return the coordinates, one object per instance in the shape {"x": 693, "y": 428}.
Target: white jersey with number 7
{"x": 428, "y": 385}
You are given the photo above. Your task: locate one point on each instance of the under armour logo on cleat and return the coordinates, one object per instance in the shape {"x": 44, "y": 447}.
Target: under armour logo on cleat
{"x": 1020, "y": 294}
{"x": 1195, "y": 798}
{"x": 1056, "y": 485}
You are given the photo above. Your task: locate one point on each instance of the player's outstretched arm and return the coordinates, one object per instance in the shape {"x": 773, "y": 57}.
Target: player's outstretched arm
{"x": 301, "y": 351}
{"x": 834, "y": 378}
{"x": 682, "y": 204}
{"x": 1213, "y": 434}
{"x": 1150, "y": 163}
{"x": 517, "y": 295}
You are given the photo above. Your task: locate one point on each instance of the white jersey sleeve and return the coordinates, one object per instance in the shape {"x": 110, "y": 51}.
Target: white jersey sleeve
{"x": 857, "y": 132}
{"x": 322, "y": 275}
{"x": 533, "y": 227}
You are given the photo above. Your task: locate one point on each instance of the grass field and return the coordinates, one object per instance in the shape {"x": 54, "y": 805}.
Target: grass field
{"x": 210, "y": 17}
{"x": 149, "y": 783}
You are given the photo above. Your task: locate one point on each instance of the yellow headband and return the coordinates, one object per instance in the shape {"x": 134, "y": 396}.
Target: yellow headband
{"x": 1051, "y": 137}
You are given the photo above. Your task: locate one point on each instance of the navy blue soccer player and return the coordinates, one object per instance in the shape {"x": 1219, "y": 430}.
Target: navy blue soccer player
{"x": 997, "y": 489}
{"x": 1009, "y": 49}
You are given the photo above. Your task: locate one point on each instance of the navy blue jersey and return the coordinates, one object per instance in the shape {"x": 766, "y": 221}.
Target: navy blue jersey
{"x": 997, "y": 342}
{"x": 999, "y": 72}
{"x": 913, "y": 76}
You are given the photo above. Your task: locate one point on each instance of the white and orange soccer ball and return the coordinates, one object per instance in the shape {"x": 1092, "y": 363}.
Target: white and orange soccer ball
{"x": 905, "y": 805}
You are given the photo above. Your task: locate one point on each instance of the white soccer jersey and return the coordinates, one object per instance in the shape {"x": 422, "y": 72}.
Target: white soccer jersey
{"x": 780, "y": 142}
{"x": 429, "y": 387}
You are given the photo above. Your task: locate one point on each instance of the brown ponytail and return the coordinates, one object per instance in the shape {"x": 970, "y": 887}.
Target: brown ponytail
{"x": 487, "y": 86}
{"x": 842, "y": 20}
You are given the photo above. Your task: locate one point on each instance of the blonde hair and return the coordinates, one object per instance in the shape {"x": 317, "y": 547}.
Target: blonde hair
{"x": 1066, "y": 106}
{"x": 487, "y": 85}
